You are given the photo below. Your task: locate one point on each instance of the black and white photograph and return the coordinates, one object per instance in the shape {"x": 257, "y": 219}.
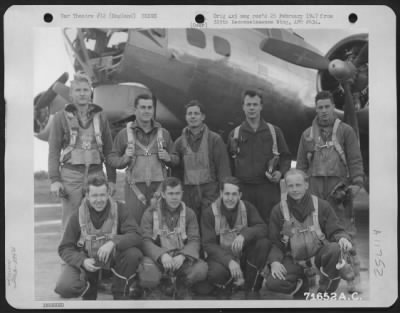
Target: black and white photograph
{"x": 203, "y": 165}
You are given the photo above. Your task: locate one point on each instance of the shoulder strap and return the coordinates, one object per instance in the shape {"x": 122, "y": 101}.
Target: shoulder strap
{"x": 82, "y": 216}
{"x": 130, "y": 134}
{"x": 336, "y": 142}
{"x": 185, "y": 143}
{"x": 156, "y": 222}
{"x": 283, "y": 204}
{"x": 72, "y": 123}
{"x": 114, "y": 216}
{"x": 243, "y": 212}
{"x": 316, "y": 225}
{"x": 182, "y": 221}
{"x": 236, "y": 132}
{"x": 97, "y": 131}
{"x": 217, "y": 216}
{"x": 274, "y": 142}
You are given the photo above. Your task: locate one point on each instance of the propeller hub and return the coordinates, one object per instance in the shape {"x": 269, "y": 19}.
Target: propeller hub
{"x": 342, "y": 70}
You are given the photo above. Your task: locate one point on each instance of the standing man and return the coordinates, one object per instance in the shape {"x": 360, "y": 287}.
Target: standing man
{"x": 235, "y": 239}
{"x": 330, "y": 154}
{"x": 171, "y": 242}
{"x": 80, "y": 140}
{"x": 303, "y": 227}
{"x": 204, "y": 159}
{"x": 102, "y": 234}
{"x": 144, "y": 148}
{"x": 260, "y": 156}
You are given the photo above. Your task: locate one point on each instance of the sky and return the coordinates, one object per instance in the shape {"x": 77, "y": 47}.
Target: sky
{"x": 51, "y": 60}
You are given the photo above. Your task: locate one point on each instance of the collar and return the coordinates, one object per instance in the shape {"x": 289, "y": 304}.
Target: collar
{"x": 92, "y": 109}
{"x": 226, "y": 212}
{"x": 189, "y": 132}
{"x": 330, "y": 122}
{"x": 166, "y": 211}
{"x": 154, "y": 124}
{"x": 246, "y": 126}
{"x": 92, "y": 210}
{"x": 301, "y": 209}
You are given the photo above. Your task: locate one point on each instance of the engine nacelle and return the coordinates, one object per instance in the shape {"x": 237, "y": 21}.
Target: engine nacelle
{"x": 347, "y": 50}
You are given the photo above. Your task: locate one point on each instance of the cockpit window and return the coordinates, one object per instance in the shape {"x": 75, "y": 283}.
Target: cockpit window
{"x": 196, "y": 37}
{"x": 222, "y": 46}
{"x": 160, "y": 32}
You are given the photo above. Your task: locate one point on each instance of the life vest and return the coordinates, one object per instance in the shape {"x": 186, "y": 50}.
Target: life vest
{"x": 222, "y": 229}
{"x": 85, "y": 144}
{"x": 327, "y": 158}
{"x": 197, "y": 164}
{"x": 91, "y": 239}
{"x": 145, "y": 166}
{"x": 172, "y": 240}
{"x": 304, "y": 238}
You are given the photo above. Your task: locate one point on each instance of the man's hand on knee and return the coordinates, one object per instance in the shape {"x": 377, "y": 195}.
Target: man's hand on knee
{"x": 89, "y": 265}
{"x": 278, "y": 270}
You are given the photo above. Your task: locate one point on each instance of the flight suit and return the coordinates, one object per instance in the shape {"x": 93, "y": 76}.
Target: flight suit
{"x": 205, "y": 162}
{"x": 145, "y": 171}
{"x": 310, "y": 230}
{"x": 220, "y": 227}
{"x": 71, "y": 163}
{"x": 173, "y": 232}
{"x": 331, "y": 156}
{"x": 251, "y": 163}
{"x": 86, "y": 231}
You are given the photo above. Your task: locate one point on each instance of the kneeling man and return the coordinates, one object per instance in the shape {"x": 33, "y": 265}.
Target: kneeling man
{"x": 101, "y": 234}
{"x": 304, "y": 230}
{"x": 171, "y": 242}
{"x": 235, "y": 240}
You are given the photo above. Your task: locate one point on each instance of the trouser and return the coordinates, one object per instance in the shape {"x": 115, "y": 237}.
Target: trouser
{"x": 132, "y": 202}
{"x": 262, "y": 196}
{"x": 325, "y": 261}
{"x": 252, "y": 262}
{"x": 191, "y": 272}
{"x": 73, "y": 182}
{"x": 322, "y": 187}
{"x": 200, "y": 197}
{"x": 75, "y": 282}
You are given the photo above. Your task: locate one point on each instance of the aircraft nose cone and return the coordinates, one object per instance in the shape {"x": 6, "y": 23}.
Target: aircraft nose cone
{"x": 341, "y": 70}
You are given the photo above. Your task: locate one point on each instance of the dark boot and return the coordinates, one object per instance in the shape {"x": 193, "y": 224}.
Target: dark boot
{"x": 91, "y": 291}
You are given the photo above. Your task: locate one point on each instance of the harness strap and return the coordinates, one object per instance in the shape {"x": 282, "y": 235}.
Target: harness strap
{"x": 217, "y": 216}
{"x": 314, "y": 133}
{"x": 181, "y": 223}
{"x": 336, "y": 144}
{"x": 317, "y": 227}
{"x": 131, "y": 141}
{"x": 73, "y": 127}
{"x": 242, "y": 208}
{"x": 274, "y": 142}
{"x": 83, "y": 216}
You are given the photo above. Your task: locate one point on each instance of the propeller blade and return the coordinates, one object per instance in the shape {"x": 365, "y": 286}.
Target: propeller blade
{"x": 49, "y": 95}
{"x": 362, "y": 56}
{"x": 294, "y": 53}
{"x": 350, "y": 116}
{"x": 62, "y": 90}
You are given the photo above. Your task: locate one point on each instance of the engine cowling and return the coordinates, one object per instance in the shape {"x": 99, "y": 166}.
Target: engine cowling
{"x": 347, "y": 50}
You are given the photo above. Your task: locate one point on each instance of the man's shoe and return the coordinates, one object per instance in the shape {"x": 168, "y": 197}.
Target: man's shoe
{"x": 118, "y": 296}
{"x": 183, "y": 293}
{"x": 253, "y": 295}
{"x": 90, "y": 293}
